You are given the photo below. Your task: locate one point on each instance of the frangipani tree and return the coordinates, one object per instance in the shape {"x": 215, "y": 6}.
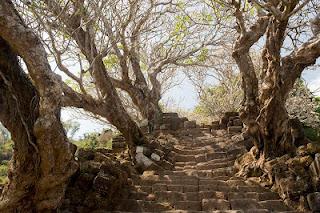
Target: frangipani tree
{"x": 264, "y": 111}
{"x": 135, "y": 42}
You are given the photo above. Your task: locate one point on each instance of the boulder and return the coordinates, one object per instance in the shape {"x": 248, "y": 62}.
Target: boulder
{"x": 85, "y": 154}
{"x": 155, "y": 157}
{"x": 91, "y": 167}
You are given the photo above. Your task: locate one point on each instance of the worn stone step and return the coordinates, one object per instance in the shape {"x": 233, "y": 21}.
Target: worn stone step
{"x": 179, "y": 177}
{"x": 184, "y": 158}
{"x": 261, "y": 196}
{"x": 211, "y": 182}
{"x": 150, "y": 182}
{"x": 221, "y": 160}
{"x": 215, "y": 204}
{"x": 274, "y": 205}
{"x": 183, "y": 151}
{"x": 174, "y": 196}
{"x": 206, "y": 166}
{"x": 138, "y": 195}
{"x": 244, "y": 204}
{"x": 188, "y": 205}
{"x": 175, "y": 188}
{"x": 216, "y": 155}
{"x": 142, "y": 206}
{"x": 189, "y": 163}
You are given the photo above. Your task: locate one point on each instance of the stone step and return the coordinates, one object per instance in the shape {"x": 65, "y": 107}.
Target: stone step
{"x": 201, "y": 157}
{"x": 215, "y": 204}
{"x": 166, "y": 187}
{"x": 216, "y": 155}
{"x": 206, "y": 166}
{"x": 189, "y": 163}
{"x": 188, "y": 205}
{"x": 183, "y": 151}
{"x": 174, "y": 196}
{"x": 227, "y": 189}
{"x": 166, "y": 179}
{"x": 244, "y": 204}
{"x": 229, "y": 159}
{"x": 262, "y": 196}
{"x": 185, "y": 158}
{"x": 142, "y": 206}
{"x": 274, "y": 205}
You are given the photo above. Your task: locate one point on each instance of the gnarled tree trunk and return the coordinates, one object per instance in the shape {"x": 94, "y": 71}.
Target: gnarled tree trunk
{"x": 19, "y": 104}
{"x": 264, "y": 111}
{"x": 54, "y": 153}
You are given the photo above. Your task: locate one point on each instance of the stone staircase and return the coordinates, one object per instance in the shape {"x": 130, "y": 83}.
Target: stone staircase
{"x": 202, "y": 181}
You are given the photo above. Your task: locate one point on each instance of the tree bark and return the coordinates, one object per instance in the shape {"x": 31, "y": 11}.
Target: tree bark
{"x": 56, "y": 161}
{"x": 264, "y": 111}
{"x": 19, "y": 111}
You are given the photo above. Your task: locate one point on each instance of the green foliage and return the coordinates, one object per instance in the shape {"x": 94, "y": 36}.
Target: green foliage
{"x": 6, "y": 150}
{"x": 181, "y": 26}
{"x": 111, "y": 61}
{"x": 3, "y": 170}
{"x": 90, "y": 140}
{"x": 202, "y": 57}
{"x": 3, "y": 173}
{"x": 220, "y": 98}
